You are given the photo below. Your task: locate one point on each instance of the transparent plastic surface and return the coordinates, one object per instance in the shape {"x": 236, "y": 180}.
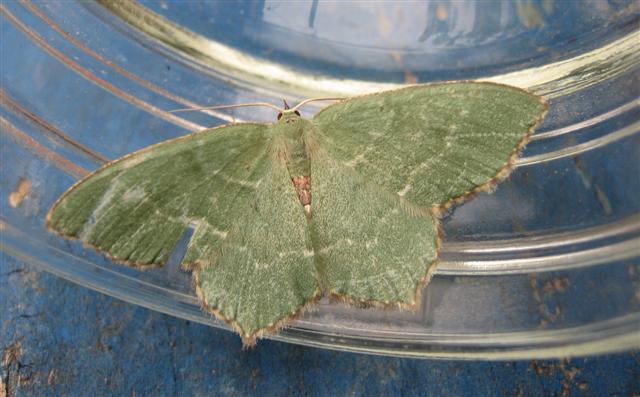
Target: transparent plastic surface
{"x": 548, "y": 265}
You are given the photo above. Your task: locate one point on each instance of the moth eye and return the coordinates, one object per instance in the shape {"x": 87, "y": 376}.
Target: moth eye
{"x": 296, "y": 112}
{"x": 279, "y": 116}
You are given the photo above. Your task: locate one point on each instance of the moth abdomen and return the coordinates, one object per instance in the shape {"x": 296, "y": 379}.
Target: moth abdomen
{"x": 303, "y": 188}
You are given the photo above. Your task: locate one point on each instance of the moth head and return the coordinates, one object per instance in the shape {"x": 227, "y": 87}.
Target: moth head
{"x": 291, "y": 112}
{"x": 287, "y": 110}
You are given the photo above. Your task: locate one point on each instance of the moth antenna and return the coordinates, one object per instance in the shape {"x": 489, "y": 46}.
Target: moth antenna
{"x": 237, "y": 105}
{"x": 298, "y": 106}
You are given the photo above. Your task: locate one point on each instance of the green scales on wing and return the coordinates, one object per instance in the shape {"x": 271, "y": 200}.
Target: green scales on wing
{"x": 344, "y": 204}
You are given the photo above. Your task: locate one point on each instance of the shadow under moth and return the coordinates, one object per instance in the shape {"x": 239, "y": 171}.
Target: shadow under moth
{"x": 345, "y": 205}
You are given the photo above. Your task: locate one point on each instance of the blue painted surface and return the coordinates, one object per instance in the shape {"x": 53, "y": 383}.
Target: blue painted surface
{"x": 86, "y": 103}
{"x": 59, "y": 338}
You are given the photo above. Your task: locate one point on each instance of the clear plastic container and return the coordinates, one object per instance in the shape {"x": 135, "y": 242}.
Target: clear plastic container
{"x": 548, "y": 265}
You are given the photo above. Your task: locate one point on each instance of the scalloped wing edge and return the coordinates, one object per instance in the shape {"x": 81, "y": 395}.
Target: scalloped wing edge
{"x": 440, "y": 210}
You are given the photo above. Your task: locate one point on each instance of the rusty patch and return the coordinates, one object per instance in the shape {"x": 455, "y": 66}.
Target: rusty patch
{"x": 569, "y": 373}
{"x": 22, "y": 190}
{"x": 53, "y": 377}
{"x": 12, "y": 353}
{"x": 442, "y": 13}
{"x": 557, "y": 284}
{"x": 410, "y": 78}
{"x": 12, "y": 366}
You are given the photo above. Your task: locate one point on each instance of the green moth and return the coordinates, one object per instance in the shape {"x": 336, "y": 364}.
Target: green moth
{"x": 344, "y": 205}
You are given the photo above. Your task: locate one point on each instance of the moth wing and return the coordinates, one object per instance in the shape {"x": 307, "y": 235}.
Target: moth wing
{"x": 369, "y": 245}
{"x": 137, "y": 208}
{"x": 264, "y": 271}
{"x": 431, "y": 143}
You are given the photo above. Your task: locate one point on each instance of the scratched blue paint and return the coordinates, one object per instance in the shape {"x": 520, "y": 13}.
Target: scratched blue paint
{"x": 75, "y": 341}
